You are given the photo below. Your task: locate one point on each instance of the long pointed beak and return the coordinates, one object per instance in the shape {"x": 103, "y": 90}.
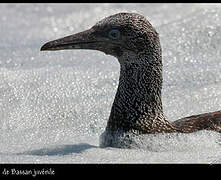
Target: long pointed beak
{"x": 82, "y": 40}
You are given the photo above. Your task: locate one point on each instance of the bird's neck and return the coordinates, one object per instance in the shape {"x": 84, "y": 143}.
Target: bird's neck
{"x": 138, "y": 99}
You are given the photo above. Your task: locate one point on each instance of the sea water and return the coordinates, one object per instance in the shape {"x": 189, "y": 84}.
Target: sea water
{"x": 55, "y": 105}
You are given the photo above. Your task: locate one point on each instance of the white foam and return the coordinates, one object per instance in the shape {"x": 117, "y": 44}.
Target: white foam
{"x": 55, "y": 105}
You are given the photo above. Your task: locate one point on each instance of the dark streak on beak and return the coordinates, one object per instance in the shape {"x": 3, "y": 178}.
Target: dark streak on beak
{"x": 82, "y": 40}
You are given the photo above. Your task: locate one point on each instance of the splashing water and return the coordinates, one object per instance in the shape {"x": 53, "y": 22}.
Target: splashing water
{"x": 55, "y": 105}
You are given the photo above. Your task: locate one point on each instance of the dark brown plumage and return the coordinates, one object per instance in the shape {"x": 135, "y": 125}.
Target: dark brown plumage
{"x": 137, "y": 106}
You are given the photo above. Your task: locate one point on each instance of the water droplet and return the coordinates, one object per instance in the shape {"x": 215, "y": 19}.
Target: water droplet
{"x": 211, "y": 33}
{"x": 55, "y": 29}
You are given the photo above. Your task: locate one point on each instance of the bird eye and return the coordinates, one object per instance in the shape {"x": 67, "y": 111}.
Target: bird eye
{"x": 114, "y": 34}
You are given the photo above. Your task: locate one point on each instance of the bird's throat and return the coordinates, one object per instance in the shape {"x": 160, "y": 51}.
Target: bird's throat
{"x": 138, "y": 97}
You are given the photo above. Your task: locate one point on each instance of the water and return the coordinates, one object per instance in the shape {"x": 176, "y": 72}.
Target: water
{"x": 55, "y": 105}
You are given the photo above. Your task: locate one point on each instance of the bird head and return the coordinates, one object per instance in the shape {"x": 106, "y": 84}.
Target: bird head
{"x": 114, "y": 35}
